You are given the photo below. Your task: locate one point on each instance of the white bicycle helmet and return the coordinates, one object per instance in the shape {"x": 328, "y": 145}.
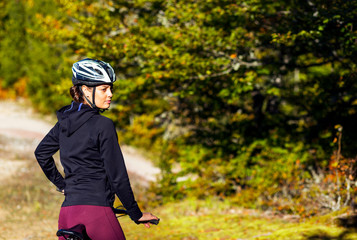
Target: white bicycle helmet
{"x": 91, "y": 72}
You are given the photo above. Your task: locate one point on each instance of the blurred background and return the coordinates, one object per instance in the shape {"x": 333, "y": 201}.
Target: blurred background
{"x": 240, "y": 104}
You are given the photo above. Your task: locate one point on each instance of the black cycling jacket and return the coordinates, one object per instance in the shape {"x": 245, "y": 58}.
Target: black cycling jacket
{"x": 91, "y": 157}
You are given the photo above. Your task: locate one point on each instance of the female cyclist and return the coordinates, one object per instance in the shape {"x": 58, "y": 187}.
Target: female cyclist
{"x": 90, "y": 155}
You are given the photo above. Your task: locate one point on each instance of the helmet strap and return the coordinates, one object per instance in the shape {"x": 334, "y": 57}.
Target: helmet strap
{"x": 93, "y": 97}
{"x": 90, "y": 103}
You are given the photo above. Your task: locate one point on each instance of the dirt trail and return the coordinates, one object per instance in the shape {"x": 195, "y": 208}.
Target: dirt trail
{"x": 21, "y": 129}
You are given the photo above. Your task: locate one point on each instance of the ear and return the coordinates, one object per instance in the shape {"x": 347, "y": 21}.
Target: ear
{"x": 86, "y": 90}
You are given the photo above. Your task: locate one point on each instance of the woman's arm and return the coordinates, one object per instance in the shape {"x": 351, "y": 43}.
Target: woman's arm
{"x": 44, "y": 152}
{"x": 115, "y": 168}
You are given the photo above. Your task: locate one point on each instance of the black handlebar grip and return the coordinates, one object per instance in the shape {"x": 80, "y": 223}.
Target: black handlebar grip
{"x": 152, "y": 221}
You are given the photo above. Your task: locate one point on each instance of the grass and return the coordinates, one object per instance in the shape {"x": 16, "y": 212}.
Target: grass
{"x": 193, "y": 219}
{"x": 30, "y": 203}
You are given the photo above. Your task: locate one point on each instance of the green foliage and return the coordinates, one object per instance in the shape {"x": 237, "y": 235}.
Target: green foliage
{"x": 234, "y": 98}
{"x": 49, "y": 70}
{"x": 13, "y": 54}
{"x": 31, "y": 62}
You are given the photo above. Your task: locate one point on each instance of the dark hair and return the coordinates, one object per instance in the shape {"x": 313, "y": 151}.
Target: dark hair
{"x": 76, "y": 94}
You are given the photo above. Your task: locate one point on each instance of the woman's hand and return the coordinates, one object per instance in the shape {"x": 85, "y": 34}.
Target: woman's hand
{"x": 147, "y": 217}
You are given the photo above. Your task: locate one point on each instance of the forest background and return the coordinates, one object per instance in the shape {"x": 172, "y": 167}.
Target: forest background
{"x": 253, "y": 102}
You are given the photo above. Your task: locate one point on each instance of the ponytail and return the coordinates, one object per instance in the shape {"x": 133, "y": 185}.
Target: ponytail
{"x": 76, "y": 94}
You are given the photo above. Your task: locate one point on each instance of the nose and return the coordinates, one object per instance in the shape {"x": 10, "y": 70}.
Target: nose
{"x": 110, "y": 93}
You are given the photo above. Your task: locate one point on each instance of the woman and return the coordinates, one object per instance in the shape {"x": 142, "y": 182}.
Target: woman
{"x": 90, "y": 155}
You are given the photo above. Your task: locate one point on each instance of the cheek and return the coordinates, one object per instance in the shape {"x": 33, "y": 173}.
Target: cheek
{"x": 99, "y": 96}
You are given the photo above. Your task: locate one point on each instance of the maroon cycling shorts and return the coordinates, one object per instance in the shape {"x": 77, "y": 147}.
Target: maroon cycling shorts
{"x": 100, "y": 222}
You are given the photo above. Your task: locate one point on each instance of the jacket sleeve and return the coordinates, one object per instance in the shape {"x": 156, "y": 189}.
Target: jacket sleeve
{"x": 44, "y": 155}
{"x": 115, "y": 168}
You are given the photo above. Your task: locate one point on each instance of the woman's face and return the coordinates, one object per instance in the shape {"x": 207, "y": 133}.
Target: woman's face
{"x": 103, "y": 95}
